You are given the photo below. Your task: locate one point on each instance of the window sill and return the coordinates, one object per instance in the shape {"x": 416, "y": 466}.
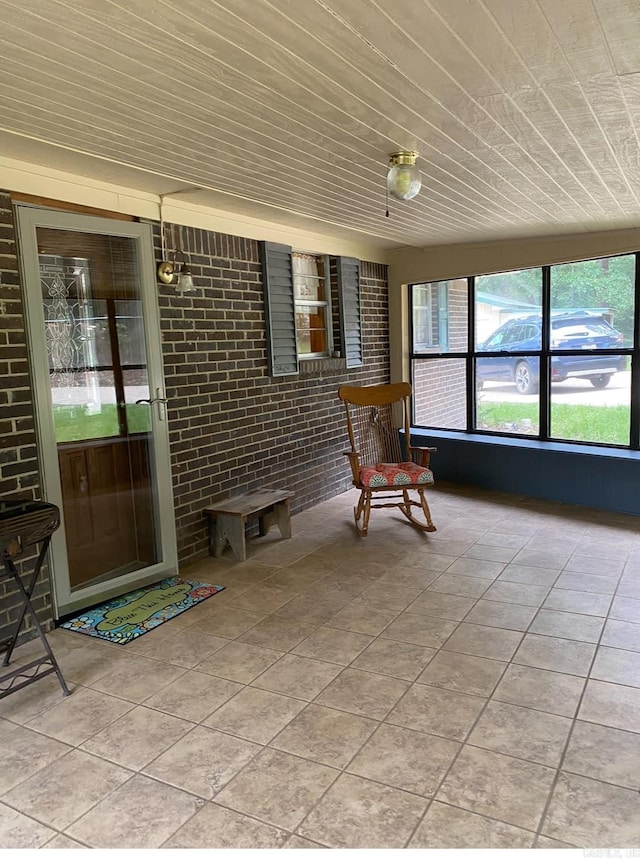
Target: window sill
{"x": 316, "y": 366}
{"x": 425, "y": 435}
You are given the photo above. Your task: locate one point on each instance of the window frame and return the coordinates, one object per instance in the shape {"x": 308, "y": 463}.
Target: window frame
{"x": 326, "y": 304}
{"x": 544, "y": 355}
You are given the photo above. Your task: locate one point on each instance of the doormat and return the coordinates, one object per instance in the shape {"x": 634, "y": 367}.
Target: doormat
{"x": 125, "y": 618}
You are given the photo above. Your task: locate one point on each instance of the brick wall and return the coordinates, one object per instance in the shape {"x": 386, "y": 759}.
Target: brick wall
{"x": 19, "y": 471}
{"x": 232, "y": 427}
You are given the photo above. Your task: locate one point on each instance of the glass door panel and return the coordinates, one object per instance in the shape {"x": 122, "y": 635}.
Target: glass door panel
{"x": 110, "y": 449}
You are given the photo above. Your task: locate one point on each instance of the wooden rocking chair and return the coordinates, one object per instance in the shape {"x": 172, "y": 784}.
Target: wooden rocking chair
{"x": 377, "y": 463}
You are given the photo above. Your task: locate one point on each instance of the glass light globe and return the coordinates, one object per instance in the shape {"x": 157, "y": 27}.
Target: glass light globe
{"x": 404, "y": 181}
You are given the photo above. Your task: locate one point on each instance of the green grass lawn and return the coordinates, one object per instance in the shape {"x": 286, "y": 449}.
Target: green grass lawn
{"x": 76, "y": 423}
{"x": 605, "y": 424}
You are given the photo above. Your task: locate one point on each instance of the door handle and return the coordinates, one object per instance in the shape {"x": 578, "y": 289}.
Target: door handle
{"x": 159, "y": 400}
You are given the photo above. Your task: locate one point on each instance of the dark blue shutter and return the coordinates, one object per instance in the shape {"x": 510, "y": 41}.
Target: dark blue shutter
{"x": 280, "y": 312}
{"x": 349, "y": 293}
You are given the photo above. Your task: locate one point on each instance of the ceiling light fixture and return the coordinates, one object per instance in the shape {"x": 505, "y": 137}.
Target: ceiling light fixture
{"x": 403, "y": 179}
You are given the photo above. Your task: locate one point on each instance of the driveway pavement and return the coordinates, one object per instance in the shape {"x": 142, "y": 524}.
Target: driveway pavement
{"x": 578, "y": 391}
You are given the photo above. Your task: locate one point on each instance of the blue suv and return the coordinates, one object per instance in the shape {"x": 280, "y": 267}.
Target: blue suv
{"x": 568, "y": 331}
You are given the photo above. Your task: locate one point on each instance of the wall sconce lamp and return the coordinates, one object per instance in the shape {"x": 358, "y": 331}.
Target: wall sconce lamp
{"x": 403, "y": 179}
{"x": 168, "y": 268}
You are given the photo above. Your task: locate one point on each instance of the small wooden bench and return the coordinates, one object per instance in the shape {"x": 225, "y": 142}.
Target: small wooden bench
{"x": 227, "y": 519}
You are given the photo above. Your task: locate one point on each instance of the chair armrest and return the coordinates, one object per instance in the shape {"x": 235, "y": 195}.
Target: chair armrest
{"x": 423, "y": 454}
{"x": 354, "y": 462}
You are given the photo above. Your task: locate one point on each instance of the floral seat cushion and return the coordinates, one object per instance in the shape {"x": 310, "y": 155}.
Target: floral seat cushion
{"x": 400, "y": 474}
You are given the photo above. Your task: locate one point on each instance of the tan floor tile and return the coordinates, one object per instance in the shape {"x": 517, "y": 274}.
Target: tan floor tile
{"x": 226, "y": 621}
{"x": 538, "y": 558}
{"x": 484, "y": 641}
{"x": 86, "y": 665}
{"x": 497, "y": 538}
{"x": 555, "y": 654}
{"x": 564, "y": 624}
{"x": 545, "y": 843}
{"x": 504, "y": 788}
{"x": 449, "y": 547}
{"x": 594, "y": 566}
{"x": 297, "y": 579}
{"x": 193, "y": 696}
{"x": 517, "y": 593}
{"x": 297, "y": 843}
{"x": 18, "y": 832}
{"x": 502, "y": 615}
{"x": 528, "y": 575}
{"x": 325, "y": 735}
{"x": 392, "y": 597}
{"x": 424, "y": 630}
{"x": 333, "y": 645}
{"x": 24, "y": 753}
{"x": 619, "y": 633}
{"x": 462, "y": 586}
{"x": 407, "y": 576}
{"x": 185, "y": 647}
{"x": 578, "y": 601}
{"x": 203, "y": 761}
{"x": 361, "y": 616}
{"x": 587, "y": 583}
{"x": 427, "y": 561}
{"x": 314, "y": 605}
{"x": 625, "y": 608}
{"x": 549, "y": 691}
{"x": 461, "y": 672}
{"x": 363, "y": 693}
{"x": 436, "y": 604}
{"x": 26, "y": 703}
{"x": 406, "y": 759}
{"x": 629, "y": 587}
{"x": 446, "y": 827}
{"x": 522, "y": 733}
{"x": 278, "y": 633}
{"x": 607, "y": 754}
{"x": 217, "y": 828}
{"x": 61, "y": 842}
{"x": 437, "y": 711}
{"x": 240, "y": 662}
{"x": 395, "y": 658}
{"x": 263, "y": 598}
{"x": 592, "y": 814}
{"x": 142, "y": 813}
{"x": 617, "y": 666}
{"x": 79, "y": 716}
{"x": 298, "y": 676}
{"x": 137, "y": 737}
{"x": 475, "y": 568}
{"x": 358, "y": 814}
{"x": 255, "y": 714}
{"x": 612, "y": 705}
{"x": 61, "y": 792}
{"x": 482, "y": 552}
{"x": 278, "y": 788}
{"x": 137, "y": 678}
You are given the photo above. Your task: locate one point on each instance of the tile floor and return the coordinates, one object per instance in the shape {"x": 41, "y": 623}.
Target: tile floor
{"x": 478, "y": 687}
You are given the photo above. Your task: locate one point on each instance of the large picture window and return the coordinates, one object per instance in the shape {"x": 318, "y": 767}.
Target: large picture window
{"x": 547, "y": 353}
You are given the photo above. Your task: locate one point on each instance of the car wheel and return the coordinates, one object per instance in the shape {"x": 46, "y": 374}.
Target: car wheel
{"x": 600, "y": 381}
{"x": 523, "y": 379}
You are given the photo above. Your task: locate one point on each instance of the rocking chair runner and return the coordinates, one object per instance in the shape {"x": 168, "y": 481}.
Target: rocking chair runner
{"x": 376, "y": 460}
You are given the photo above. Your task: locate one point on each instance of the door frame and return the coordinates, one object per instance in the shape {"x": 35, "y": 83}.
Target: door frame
{"x": 29, "y": 218}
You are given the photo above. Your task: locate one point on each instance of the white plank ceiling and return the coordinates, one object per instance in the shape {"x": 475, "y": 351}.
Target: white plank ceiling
{"x": 525, "y": 113}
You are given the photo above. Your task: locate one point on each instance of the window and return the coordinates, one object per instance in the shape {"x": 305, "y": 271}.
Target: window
{"x": 430, "y": 316}
{"x": 311, "y": 295}
{"x": 301, "y": 316}
{"x": 551, "y": 355}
